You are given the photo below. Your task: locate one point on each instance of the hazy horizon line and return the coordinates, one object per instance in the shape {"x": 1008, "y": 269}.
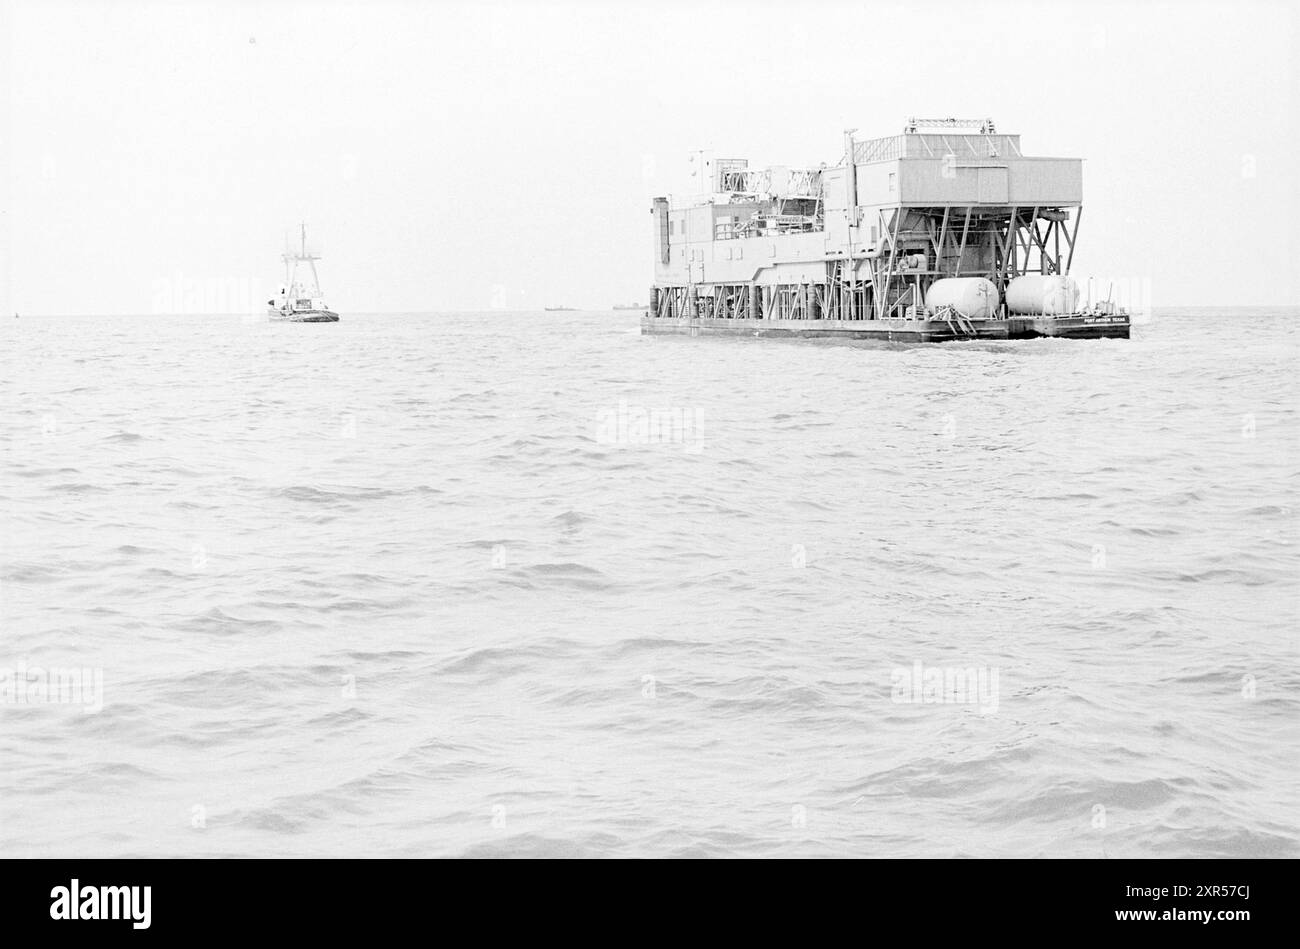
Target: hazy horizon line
{"x": 575, "y": 309}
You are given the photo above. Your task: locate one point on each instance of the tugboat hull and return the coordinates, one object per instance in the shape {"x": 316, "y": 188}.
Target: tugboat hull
{"x": 306, "y": 316}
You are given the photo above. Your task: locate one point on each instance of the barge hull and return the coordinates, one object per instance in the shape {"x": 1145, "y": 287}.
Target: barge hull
{"x": 1080, "y": 327}
{"x": 900, "y": 331}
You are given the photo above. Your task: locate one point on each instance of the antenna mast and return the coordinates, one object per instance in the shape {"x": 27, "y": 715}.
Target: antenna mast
{"x": 291, "y": 261}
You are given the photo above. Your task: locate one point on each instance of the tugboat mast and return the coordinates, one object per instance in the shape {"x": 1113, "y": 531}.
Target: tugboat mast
{"x": 291, "y": 262}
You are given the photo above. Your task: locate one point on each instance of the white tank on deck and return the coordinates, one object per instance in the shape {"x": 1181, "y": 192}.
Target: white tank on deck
{"x": 1041, "y": 295}
{"x": 973, "y": 297}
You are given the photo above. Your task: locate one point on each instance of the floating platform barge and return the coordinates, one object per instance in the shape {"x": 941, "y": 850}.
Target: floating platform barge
{"x": 945, "y": 232}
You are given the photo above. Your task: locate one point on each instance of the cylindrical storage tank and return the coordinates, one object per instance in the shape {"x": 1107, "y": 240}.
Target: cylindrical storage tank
{"x": 1042, "y": 295}
{"x": 973, "y": 297}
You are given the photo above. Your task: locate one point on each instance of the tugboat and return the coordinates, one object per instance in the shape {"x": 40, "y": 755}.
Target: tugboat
{"x": 296, "y": 302}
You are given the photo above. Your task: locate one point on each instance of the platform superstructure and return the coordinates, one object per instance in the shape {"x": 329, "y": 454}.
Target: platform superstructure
{"x": 945, "y": 231}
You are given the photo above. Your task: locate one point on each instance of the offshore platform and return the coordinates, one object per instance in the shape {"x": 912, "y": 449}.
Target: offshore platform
{"x": 947, "y": 231}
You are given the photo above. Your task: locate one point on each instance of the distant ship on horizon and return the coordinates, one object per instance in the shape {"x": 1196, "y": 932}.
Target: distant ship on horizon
{"x": 296, "y": 302}
{"x": 558, "y": 309}
{"x": 629, "y": 306}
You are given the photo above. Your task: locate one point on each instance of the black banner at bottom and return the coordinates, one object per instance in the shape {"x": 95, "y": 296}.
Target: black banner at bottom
{"x": 141, "y": 899}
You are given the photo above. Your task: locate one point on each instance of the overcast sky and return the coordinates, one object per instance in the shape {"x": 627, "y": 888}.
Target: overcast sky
{"x": 460, "y": 156}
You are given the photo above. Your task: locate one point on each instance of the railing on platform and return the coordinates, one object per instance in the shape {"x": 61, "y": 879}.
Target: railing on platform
{"x": 926, "y": 145}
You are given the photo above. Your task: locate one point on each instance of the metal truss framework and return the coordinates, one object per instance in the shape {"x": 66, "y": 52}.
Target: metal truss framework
{"x": 1021, "y": 241}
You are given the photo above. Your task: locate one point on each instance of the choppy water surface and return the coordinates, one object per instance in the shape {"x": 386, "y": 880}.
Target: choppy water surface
{"x": 532, "y": 584}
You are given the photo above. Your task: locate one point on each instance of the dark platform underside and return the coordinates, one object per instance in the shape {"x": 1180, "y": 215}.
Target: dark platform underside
{"x": 906, "y": 331}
